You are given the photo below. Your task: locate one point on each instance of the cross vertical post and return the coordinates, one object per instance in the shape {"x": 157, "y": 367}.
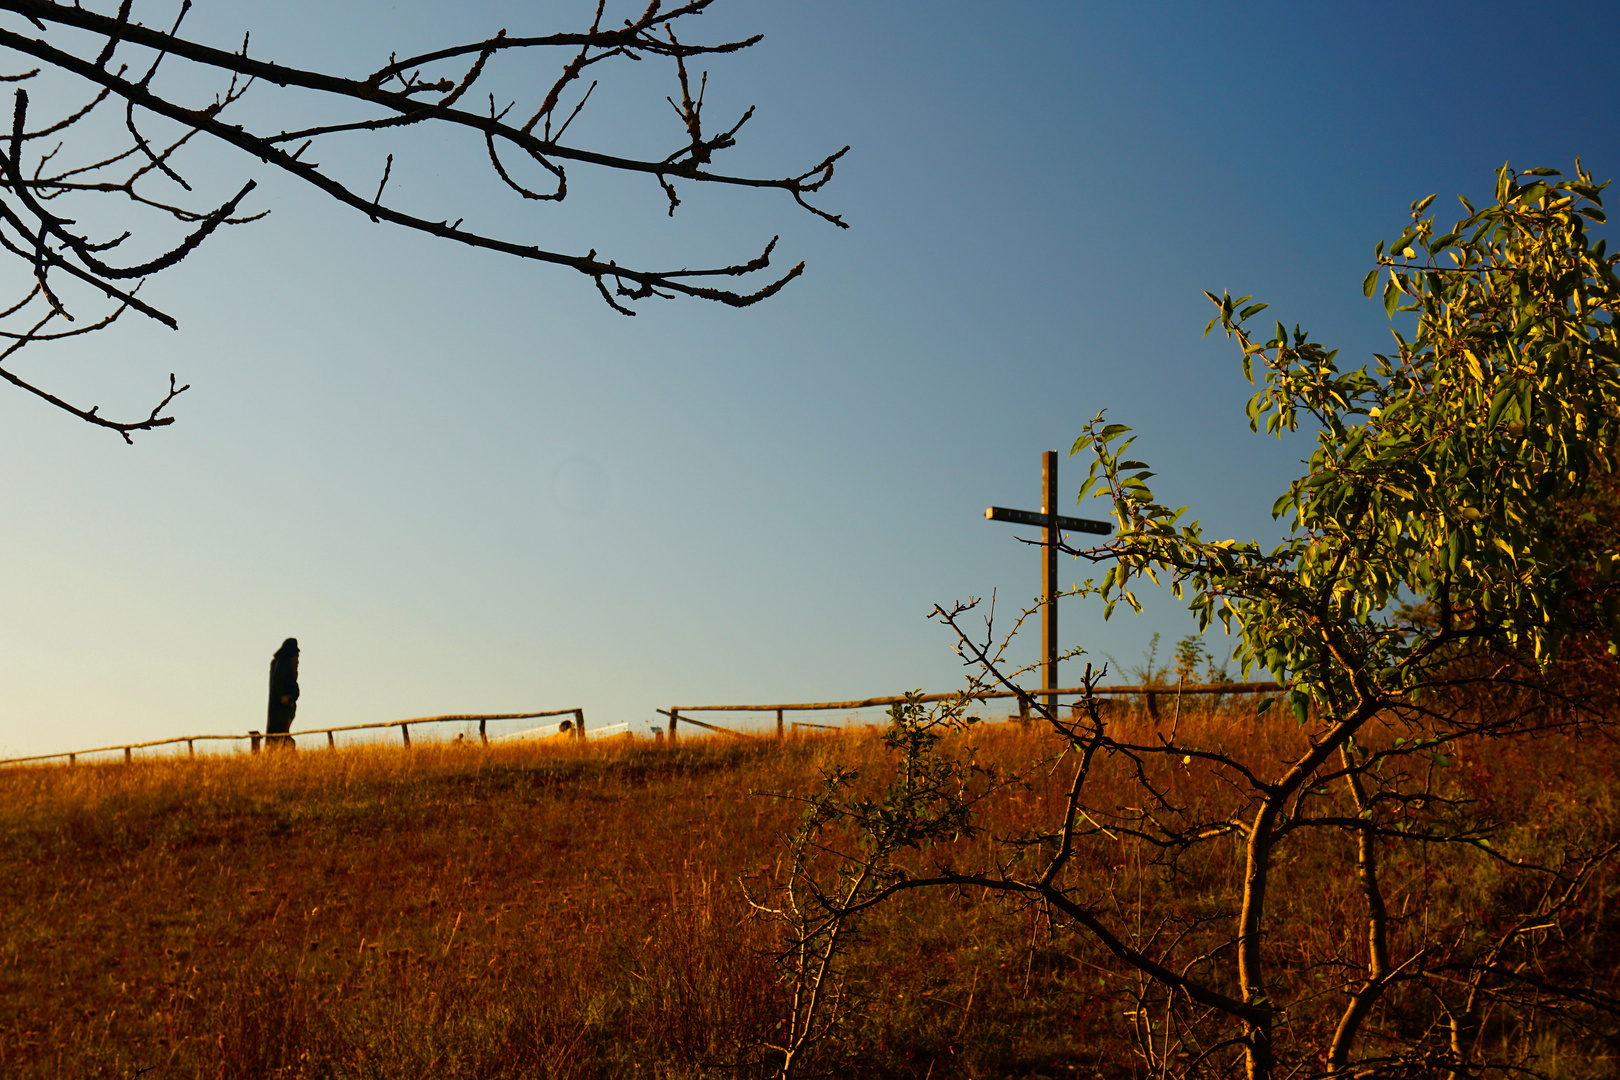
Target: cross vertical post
{"x": 1049, "y": 577}
{"x": 1052, "y": 526}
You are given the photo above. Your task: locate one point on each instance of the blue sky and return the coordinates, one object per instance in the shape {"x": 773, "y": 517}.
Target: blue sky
{"x": 466, "y": 485}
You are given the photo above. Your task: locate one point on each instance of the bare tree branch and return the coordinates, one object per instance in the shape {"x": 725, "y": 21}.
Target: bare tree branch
{"x": 416, "y": 91}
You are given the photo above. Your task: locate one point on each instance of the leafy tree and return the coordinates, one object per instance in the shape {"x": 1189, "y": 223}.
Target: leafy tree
{"x": 1190, "y": 652}
{"x": 1441, "y": 476}
{"x": 117, "y": 155}
{"x": 1150, "y": 672}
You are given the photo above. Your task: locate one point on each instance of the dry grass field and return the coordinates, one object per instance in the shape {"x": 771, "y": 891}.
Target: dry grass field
{"x": 575, "y": 911}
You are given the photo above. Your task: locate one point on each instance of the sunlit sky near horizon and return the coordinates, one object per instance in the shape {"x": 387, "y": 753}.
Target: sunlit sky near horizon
{"x": 466, "y": 485}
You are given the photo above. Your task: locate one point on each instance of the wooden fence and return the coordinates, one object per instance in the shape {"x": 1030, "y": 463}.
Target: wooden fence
{"x": 254, "y": 737}
{"x": 676, "y": 713}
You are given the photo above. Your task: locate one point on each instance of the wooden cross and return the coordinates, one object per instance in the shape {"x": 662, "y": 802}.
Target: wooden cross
{"x": 1052, "y": 525}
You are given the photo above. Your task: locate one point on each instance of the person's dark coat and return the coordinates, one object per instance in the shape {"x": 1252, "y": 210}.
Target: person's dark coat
{"x": 283, "y": 688}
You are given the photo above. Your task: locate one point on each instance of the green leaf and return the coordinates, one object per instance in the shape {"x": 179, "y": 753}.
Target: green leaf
{"x": 1369, "y": 284}
{"x": 1392, "y": 296}
{"x": 1252, "y": 309}
{"x": 1498, "y": 404}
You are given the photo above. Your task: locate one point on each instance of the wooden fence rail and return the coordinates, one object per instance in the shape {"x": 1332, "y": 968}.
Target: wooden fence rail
{"x": 676, "y": 716}
{"x": 676, "y": 713}
{"x": 254, "y": 737}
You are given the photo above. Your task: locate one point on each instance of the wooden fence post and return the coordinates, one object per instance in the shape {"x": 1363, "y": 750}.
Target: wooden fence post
{"x": 405, "y": 730}
{"x": 778, "y": 723}
{"x": 483, "y": 733}
{"x": 73, "y": 759}
{"x": 191, "y": 750}
{"x": 674, "y": 715}
{"x": 127, "y": 757}
{"x": 1153, "y": 705}
{"x": 253, "y": 737}
{"x": 331, "y": 741}
{"x": 579, "y": 724}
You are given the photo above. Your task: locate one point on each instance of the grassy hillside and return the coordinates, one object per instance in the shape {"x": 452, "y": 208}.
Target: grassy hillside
{"x": 518, "y": 912}
{"x": 566, "y": 911}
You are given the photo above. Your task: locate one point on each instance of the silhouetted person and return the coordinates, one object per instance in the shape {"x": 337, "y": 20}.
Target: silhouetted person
{"x": 283, "y": 694}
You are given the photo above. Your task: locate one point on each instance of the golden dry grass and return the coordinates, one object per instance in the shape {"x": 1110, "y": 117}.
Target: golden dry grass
{"x": 566, "y": 911}
{"x": 523, "y": 911}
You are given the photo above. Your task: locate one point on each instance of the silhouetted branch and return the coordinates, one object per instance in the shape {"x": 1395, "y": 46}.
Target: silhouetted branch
{"x": 425, "y": 89}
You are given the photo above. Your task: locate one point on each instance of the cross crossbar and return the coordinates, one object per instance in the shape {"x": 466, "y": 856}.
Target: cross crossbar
{"x": 1064, "y": 524}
